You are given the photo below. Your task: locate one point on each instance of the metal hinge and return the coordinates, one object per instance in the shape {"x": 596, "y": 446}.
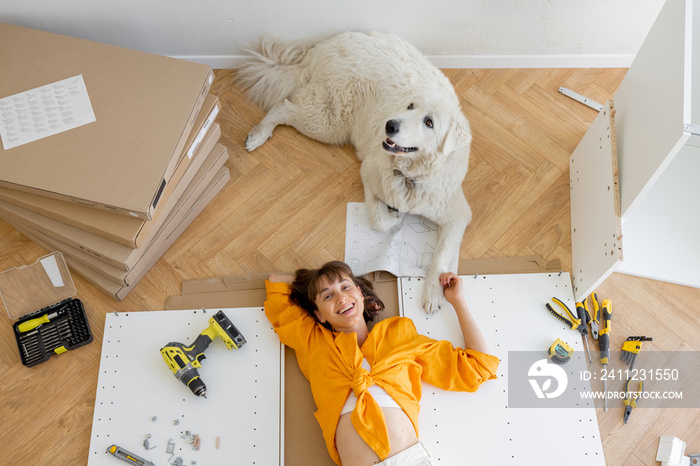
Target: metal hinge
{"x": 584, "y": 100}
{"x": 694, "y": 129}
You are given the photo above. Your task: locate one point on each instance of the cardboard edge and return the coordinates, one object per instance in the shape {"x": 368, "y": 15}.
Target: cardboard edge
{"x": 120, "y": 292}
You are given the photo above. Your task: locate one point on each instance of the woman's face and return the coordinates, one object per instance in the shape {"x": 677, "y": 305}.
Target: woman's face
{"x": 341, "y": 304}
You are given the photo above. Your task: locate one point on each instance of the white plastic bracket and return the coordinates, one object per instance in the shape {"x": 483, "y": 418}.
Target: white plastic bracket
{"x": 671, "y": 450}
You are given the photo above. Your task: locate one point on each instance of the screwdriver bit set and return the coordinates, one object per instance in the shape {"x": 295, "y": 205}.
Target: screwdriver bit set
{"x": 50, "y": 320}
{"x": 62, "y": 327}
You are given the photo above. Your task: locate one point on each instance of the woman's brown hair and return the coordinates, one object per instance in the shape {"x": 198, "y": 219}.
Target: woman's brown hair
{"x": 306, "y": 286}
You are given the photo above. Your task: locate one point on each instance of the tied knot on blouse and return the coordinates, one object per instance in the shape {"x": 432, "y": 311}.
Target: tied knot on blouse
{"x": 361, "y": 381}
{"x": 366, "y": 410}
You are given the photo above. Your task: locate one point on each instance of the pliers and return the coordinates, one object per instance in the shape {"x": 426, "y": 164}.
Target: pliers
{"x": 571, "y": 321}
{"x": 631, "y": 402}
{"x": 593, "y": 318}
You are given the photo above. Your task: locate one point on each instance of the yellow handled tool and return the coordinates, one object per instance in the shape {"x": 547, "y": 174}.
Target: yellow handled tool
{"x": 184, "y": 361}
{"x": 583, "y": 328}
{"x": 604, "y": 342}
{"x": 593, "y": 316}
{"x": 571, "y": 321}
{"x": 560, "y": 352}
{"x": 604, "y": 336}
{"x": 631, "y": 348}
{"x": 31, "y": 324}
{"x": 630, "y": 400}
{"x": 125, "y": 455}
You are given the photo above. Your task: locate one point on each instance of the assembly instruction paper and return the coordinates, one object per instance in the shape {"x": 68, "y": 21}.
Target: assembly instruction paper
{"x": 405, "y": 251}
{"x": 44, "y": 111}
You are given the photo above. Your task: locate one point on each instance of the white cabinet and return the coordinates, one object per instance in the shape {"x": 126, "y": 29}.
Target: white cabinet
{"x": 657, "y": 123}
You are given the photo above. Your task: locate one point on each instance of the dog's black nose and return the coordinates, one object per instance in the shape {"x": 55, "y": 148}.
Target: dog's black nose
{"x": 392, "y": 127}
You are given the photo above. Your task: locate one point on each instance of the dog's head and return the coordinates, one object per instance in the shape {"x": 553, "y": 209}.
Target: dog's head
{"x": 424, "y": 137}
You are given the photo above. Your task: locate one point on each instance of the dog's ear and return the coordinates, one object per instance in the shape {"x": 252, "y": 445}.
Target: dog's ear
{"x": 458, "y": 135}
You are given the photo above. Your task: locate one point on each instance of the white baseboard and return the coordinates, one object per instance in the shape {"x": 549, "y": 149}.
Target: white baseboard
{"x": 468, "y": 61}
{"x": 531, "y": 61}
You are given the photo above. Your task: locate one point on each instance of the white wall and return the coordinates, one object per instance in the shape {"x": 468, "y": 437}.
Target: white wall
{"x": 453, "y": 33}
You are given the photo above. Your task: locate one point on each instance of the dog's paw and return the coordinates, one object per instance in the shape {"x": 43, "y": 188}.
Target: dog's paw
{"x": 433, "y": 298}
{"x": 386, "y": 219}
{"x": 257, "y": 137}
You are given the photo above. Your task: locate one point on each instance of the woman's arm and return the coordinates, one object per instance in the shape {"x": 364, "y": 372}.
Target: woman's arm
{"x": 292, "y": 324}
{"x": 473, "y": 338}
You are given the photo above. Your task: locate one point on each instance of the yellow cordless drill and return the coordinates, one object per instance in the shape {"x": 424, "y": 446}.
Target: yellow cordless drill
{"x": 185, "y": 360}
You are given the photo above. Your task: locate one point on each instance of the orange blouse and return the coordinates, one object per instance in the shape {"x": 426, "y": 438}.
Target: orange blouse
{"x": 398, "y": 356}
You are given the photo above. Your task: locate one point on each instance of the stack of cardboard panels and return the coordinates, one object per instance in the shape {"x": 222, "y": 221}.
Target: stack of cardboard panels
{"x": 112, "y": 194}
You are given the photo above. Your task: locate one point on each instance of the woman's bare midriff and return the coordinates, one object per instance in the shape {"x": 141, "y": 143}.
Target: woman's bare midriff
{"x": 355, "y": 452}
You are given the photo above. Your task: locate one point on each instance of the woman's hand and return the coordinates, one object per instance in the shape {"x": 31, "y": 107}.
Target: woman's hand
{"x": 452, "y": 287}
{"x": 281, "y": 278}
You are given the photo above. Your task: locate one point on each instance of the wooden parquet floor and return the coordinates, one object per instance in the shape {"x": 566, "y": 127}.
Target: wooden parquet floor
{"x": 285, "y": 208}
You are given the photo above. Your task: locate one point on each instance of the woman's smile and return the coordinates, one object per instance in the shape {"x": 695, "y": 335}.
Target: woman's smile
{"x": 346, "y": 309}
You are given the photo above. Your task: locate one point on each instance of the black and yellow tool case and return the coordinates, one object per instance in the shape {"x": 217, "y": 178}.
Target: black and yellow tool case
{"x": 50, "y": 320}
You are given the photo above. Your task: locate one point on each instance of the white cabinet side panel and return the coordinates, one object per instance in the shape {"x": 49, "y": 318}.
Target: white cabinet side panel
{"x": 661, "y": 235}
{"x": 480, "y": 427}
{"x": 595, "y": 206}
{"x": 650, "y": 105}
{"x": 244, "y": 391}
{"x": 693, "y": 64}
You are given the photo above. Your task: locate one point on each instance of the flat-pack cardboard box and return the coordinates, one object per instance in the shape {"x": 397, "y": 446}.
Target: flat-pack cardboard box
{"x": 210, "y": 171}
{"x": 126, "y": 230}
{"x": 144, "y": 105}
{"x": 112, "y": 253}
{"x": 303, "y": 444}
{"x": 166, "y": 238}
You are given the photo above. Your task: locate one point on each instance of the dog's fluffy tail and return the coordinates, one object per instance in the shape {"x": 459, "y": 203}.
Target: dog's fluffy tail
{"x": 271, "y": 74}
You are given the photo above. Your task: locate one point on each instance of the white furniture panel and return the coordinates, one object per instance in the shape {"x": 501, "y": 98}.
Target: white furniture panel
{"x": 651, "y": 104}
{"x": 661, "y": 234}
{"x": 658, "y": 135}
{"x": 480, "y": 428}
{"x": 595, "y": 205}
{"x": 244, "y": 391}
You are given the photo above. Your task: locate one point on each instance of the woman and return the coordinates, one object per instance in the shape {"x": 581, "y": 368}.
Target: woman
{"x": 367, "y": 382}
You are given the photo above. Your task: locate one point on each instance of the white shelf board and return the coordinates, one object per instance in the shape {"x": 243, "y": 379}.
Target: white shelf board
{"x": 595, "y": 212}
{"x": 479, "y": 427}
{"x": 661, "y": 234}
{"x": 244, "y": 391}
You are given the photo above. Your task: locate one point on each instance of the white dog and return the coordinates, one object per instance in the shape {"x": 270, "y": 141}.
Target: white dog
{"x": 377, "y": 92}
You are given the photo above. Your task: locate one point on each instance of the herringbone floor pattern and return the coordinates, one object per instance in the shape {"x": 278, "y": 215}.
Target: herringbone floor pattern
{"x": 285, "y": 208}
